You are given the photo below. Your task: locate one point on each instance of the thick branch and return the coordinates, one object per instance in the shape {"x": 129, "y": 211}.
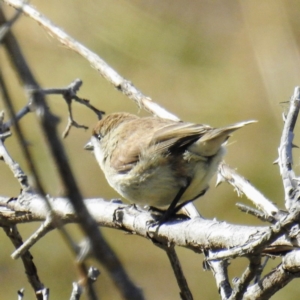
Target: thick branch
{"x": 196, "y": 234}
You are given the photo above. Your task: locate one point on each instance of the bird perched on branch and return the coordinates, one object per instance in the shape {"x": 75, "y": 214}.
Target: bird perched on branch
{"x": 158, "y": 162}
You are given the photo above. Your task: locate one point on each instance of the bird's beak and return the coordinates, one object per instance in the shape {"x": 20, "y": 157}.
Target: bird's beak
{"x": 88, "y": 146}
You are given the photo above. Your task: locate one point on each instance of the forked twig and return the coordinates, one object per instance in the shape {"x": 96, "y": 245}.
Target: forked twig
{"x": 70, "y": 94}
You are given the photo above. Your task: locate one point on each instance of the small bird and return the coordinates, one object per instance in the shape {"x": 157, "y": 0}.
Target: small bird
{"x": 158, "y": 162}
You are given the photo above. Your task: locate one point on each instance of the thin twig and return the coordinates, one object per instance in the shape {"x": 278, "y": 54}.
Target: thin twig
{"x": 69, "y": 94}
{"x": 19, "y": 115}
{"x": 185, "y": 292}
{"x": 255, "y": 212}
{"x": 242, "y": 284}
{"x": 71, "y": 122}
{"x": 260, "y": 269}
{"x": 14, "y": 166}
{"x": 36, "y": 236}
{"x": 27, "y": 259}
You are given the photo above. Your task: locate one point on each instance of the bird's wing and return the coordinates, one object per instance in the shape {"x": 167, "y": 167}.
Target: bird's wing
{"x": 172, "y": 137}
{"x": 198, "y": 138}
{"x": 178, "y": 136}
{"x": 159, "y": 136}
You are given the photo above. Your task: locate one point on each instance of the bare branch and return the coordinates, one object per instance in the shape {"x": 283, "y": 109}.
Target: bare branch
{"x": 196, "y": 234}
{"x": 243, "y": 186}
{"x": 42, "y": 231}
{"x": 23, "y": 112}
{"x": 255, "y": 212}
{"x": 255, "y": 246}
{"x": 277, "y": 279}
{"x": 14, "y": 167}
{"x": 27, "y": 259}
{"x": 219, "y": 269}
{"x": 185, "y": 292}
{"x": 260, "y": 269}
{"x": 242, "y": 284}
{"x": 224, "y": 239}
{"x": 69, "y": 94}
{"x": 285, "y": 161}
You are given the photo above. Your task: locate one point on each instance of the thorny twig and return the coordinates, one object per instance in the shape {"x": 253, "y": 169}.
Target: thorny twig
{"x": 243, "y": 186}
{"x": 255, "y": 212}
{"x": 69, "y": 94}
{"x": 285, "y": 161}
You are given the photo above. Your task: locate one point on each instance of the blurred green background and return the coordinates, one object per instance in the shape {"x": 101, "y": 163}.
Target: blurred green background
{"x": 214, "y": 62}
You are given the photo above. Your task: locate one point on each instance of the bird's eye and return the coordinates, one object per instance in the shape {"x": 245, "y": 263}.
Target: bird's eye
{"x": 98, "y": 136}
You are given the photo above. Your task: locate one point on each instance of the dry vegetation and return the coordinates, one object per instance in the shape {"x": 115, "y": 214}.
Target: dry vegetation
{"x": 207, "y": 62}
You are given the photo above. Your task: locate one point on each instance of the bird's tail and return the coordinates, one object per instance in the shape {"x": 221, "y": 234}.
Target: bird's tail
{"x": 210, "y": 143}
